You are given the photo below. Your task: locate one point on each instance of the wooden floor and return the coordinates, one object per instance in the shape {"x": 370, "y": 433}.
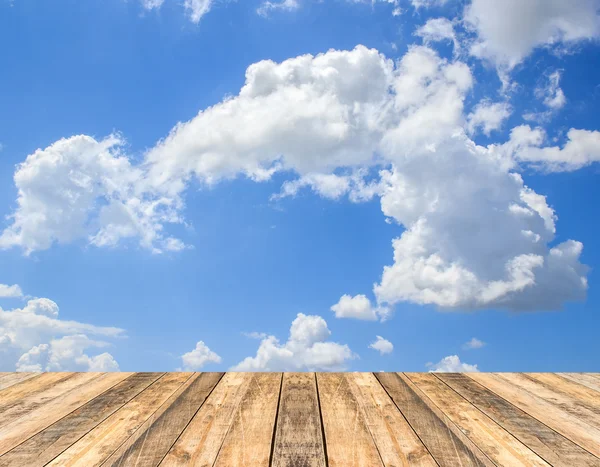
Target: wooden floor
{"x": 299, "y": 419}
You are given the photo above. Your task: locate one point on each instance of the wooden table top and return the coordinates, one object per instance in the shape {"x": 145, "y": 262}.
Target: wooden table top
{"x": 299, "y": 419}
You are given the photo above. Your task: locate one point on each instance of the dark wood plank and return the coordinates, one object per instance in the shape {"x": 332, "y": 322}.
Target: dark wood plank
{"x": 584, "y": 379}
{"x": 349, "y": 442}
{"x": 249, "y": 439}
{"x": 396, "y": 441}
{"x": 299, "y": 436}
{"x": 84, "y": 388}
{"x": 200, "y": 442}
{"x": 446, "y": 443}
{"x": 557, "y": 417}
{"x": 151, "y": 442}
{"x": 49, "y": 443}
{"x": 100, "y": 443}
{"x": 10, "y": 379}
{"x": 547, "y": 443}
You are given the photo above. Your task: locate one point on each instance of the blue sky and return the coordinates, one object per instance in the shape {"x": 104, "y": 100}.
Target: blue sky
{"x": 177, "y": 175}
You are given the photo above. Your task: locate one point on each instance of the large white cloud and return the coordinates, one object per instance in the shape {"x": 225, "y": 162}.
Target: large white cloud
{"x": 474, "y": 235}
{"x": 509, "y": 30}
{"x": 307, "y": 348}
{"x": 33, "y": 338}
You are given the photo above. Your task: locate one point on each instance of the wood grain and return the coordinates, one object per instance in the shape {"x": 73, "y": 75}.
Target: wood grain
{"x": 97, "y": 445}
{"x": 200, "y": 442}
{"x": 299, "y": 438}
{"x": 547, "y": 443}
{"x": 497, "y": 443}
{"x": 584, "y": 379}
{"x": 397, "y": 443}
{"x": 446, "y": 443}
{"x": 10, "y": 379}
{"x": 28, "y": 425}
{"x": 149, "y": 444}
{"x": 50, "y": 442}
{"x": 349, "y": 441}
{"x": 248, "y": 441}
{"x": 556, "y": 417}
{"x": 582, "y": 395}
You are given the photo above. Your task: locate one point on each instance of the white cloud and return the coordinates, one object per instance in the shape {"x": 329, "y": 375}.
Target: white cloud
{"x": 474, "y": 343}
{"x": 358, "y": 307}
{"x": 427, "y": 3}
{"x": 452, "y": 364}
{"x": 197, "y": 358}
{"x": 307, "y": 348}
{"x": 509, "y": 30}
{"x": 488, "y": 116}
{"x": 552, "y": 95}
{"x": 33, "y": 338}
{"x": 255, "y": 335}
{"x": 283, "y": 5}
{"x": 10, "y": 291}
{"x": 196, "y": 9}
{"x": 383, "y": 346}
{"x": 152, "y": 4}
{"x": 438, "y": 30}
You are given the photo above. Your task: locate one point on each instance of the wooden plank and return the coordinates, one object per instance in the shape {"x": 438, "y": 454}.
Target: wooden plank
{"x": 584, "y": 395}
{"x": 30, "y": 424}
{"x": 29, "y": 391}
{"x": 556, "y": 417}
{"x": 348, "y": 439}
{"x": 10, "y": 379}
{"x": 446, "y": 443}
{"x": 49, "y": 443}
{"x": 397, "y": 443}
{"x": 40, "y": 396}
{"x": 497, "y": 443}
{"x": 299, "y": 436}
{"x": 584, "y": 379}
{"x": 200, "y": 442}
{"x": 97, "y": 445}
{"x": 547, "y": 443}
{"x": 149, "y": 444}
{"x": 249, "y": 439}
{"x": 586, "y": 413}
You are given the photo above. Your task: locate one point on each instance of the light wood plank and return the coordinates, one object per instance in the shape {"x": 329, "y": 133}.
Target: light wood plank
{"x": 97, "y": 445}
{"x": 583, "y": 395}
{"x": 556, "y": 417}
{"x": 200, "y": 442}
{"x": 584, "y": 379}
{"x": 578, "y": 408}
{"x": 49, "y": 443}
{"x": 348, "y": 439}
{"x": 299, "y": 436}
{"x": 547, "y": 443}
{"x": 249, "y": 439}
{"x": 397, "y": 443}
{"x": 446, "y": 443}
{"x": 29, "y": 424}
{"x": 149, "y": 444}
{"x": 10, "y": 379}
{"x": 28, "y": 391}
{"x": 497, "y": 443}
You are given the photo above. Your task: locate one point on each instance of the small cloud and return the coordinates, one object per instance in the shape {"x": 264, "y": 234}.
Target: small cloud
{"x": 254, "y": 335}
{"x": 197, "y": 358}
{"x": 451, "y": 364}
{"x": 383, "y": 346}
{"x": 473, "y": 344}
{"x": 359, "y": 307}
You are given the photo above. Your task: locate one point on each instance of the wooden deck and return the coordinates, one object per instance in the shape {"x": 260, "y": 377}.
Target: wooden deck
{"x": 299, "y": 419}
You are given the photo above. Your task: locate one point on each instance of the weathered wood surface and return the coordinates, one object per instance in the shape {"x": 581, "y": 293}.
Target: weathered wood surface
{"x": 299, "y": 419}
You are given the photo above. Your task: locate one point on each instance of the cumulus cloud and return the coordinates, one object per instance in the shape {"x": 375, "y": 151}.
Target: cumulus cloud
{"x": 383, "y": 346}
{"x": 197, "y": 358}
{"x": 10, "y": 291}
{"x": 437, "y": 30}
{"x": 472, "y": 235}
{"x": 551, "y": 94}
{"x": 474, "y": 343}
{"x": 33, "y": 338}
{"x": 452, "y": 364}
{"x": 508, "y": 31}
{"x": 358, "y": 307}
{"x": 307, "y": 348}
{"x": 488, "y": 116}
